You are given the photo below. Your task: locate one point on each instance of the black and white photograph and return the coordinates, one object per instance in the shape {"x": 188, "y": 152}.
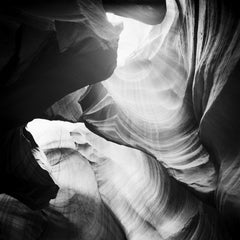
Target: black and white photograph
{"x": 119, "y": 120}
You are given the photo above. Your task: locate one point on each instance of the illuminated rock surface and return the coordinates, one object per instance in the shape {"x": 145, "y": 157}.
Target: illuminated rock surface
{"x": 167, "y": 163}
{"x": 93, "y": 173}
{"x": 175, "y": 98}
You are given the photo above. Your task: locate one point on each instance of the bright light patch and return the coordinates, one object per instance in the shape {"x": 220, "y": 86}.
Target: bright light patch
{"x": 131, "y": 38}
{"x": 148, "y": 83}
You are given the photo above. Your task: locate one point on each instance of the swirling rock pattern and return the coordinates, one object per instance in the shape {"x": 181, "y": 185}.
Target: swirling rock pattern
{"x": 118, "y": 182}
{"x": 177, "y": 99}
{"x": 173, "y": 107}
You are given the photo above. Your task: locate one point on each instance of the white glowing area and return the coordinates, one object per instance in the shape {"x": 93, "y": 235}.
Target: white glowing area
{"x": 148, "y": 82}
{"x": 132, "y": 37}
